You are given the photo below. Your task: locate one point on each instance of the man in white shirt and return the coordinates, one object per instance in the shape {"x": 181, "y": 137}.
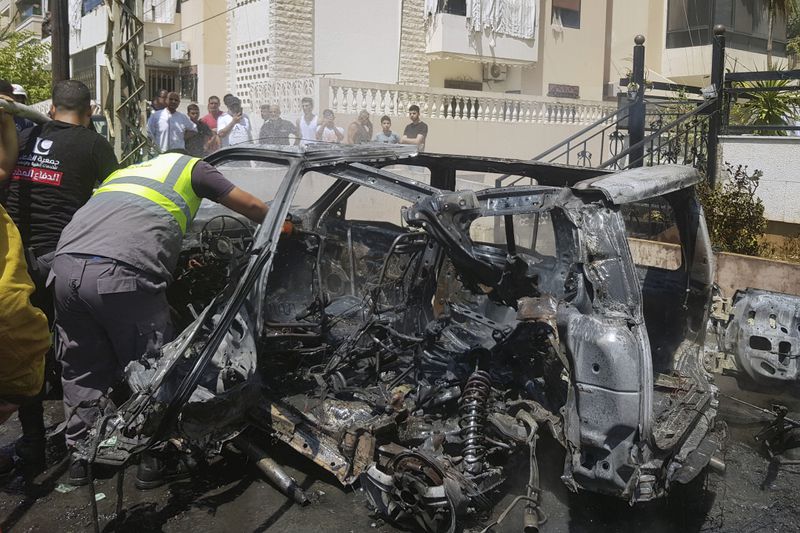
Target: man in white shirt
{"x": 170, "y": 128}
{"x": 234, "y": 128}
{"x": 328, "y": 131}
{"x": 307, "y": 125}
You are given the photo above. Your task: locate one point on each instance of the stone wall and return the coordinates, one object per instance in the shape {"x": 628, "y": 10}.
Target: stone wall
{"x": 291, "y": 38}
{"x": 413, "y": 61}
{"x": 778, "y": 158}
{"x": 731, "y": 271}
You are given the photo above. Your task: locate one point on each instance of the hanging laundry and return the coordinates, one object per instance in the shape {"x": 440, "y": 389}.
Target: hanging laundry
{"x": 160, "y": 11}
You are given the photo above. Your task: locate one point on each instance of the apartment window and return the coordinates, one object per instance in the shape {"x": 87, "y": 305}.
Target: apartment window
{"x": 568, "y": 12}
{"x": 161, "y": 79}
{"x": 29, "y": 8}
{"x": 453, "y": 7}
{"x": 90, "y": 5}
{"x": 188, "y": 83}
{"x": 690, "y": 23}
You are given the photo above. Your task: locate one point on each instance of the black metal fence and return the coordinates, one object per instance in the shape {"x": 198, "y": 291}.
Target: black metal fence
{"x": 685, "y": 129}
{"x": 761, "y": 103}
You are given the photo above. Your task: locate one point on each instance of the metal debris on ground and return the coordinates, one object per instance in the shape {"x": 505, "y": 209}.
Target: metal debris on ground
{"x": 763, "y": 334}
{"x": 63, "y": 488}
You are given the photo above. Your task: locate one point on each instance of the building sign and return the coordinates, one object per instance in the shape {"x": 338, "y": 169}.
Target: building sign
{"x": 563, "y": 91}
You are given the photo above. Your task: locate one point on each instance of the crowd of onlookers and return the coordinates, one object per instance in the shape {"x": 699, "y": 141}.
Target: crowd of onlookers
{"x": 172, "y": 130}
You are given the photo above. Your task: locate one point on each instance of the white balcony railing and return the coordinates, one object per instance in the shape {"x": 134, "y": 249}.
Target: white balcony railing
{"x": 350, "y": 97}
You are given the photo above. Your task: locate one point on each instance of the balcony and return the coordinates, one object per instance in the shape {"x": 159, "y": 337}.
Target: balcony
{"x": 449, "y": 37}
{"x": 348, "y": 97}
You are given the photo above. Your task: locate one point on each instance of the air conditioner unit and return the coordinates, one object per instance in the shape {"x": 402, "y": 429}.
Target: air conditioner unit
{"x": 494, "y": 72}
{"x": 179, "y": 51}
{"x": 611, "y": 89}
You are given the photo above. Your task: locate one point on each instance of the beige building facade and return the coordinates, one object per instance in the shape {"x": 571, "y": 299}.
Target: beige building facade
{"x": 524, "y": 53}
{"x": 566, "y": 49}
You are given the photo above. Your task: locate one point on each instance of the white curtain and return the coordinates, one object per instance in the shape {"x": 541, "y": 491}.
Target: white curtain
{"x": 515, "y": 18}
{"x": 160, "y": 11}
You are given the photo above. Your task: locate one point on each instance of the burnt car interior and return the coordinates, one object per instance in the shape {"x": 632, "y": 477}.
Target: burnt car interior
{"x": 411, "y": 335}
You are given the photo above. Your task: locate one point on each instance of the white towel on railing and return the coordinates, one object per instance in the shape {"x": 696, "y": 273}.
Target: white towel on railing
{"x": 515, "y": 18}
{"x": 431, "y": 7}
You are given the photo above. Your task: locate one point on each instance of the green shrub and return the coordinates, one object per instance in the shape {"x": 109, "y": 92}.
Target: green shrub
{"x": 734, "y": 214}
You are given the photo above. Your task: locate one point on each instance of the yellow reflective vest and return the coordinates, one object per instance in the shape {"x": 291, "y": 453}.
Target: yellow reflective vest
{"x": 165, "y": 181}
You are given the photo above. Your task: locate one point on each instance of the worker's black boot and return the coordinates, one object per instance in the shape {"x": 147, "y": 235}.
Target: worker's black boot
{"x": 30, "y": 447}
{"x": 155, "y": 470}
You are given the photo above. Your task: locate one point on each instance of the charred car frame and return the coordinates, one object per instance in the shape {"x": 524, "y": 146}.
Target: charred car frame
{"x": 415, "y": 357}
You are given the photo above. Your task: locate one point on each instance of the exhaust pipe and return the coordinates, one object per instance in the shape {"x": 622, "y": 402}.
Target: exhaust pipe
{"x": 272, "y": 470}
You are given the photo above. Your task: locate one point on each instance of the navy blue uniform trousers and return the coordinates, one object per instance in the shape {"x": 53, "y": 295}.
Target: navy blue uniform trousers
{"x": 108, "y": 314}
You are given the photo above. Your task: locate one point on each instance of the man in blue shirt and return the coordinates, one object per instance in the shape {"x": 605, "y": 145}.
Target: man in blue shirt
{"x": 387, "y": 136}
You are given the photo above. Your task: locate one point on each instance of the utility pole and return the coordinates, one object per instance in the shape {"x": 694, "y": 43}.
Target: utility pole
{"x": 125, "y": 101}
{"x": 60, "y": 37}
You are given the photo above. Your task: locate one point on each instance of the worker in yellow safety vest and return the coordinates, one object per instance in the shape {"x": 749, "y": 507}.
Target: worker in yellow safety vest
{"x": 112, "y": 266}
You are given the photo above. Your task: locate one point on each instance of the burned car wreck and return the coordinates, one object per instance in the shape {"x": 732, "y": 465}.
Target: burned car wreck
{"x": 412, "y": 338}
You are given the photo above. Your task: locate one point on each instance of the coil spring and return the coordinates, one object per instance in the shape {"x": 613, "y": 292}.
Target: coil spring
{"x": 473, "y": 415}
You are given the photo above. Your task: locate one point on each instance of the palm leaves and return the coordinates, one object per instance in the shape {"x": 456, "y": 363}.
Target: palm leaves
{"x": 771, "y": 103}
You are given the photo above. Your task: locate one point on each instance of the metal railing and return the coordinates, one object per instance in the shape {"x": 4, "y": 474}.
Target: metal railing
{"x": 681, "y": 141}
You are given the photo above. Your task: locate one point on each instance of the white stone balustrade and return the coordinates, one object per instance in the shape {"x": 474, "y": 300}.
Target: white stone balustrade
{"x": 350, "y": 97}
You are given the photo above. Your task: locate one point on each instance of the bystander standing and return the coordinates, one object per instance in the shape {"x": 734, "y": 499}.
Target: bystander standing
{"x": 20, "y": 94}
{"x": 275, "y": 129}
{"x": 169, "y": 128}
{"x": 416, "y": 132}
{"x": 360, "y": 130}
{"x": 199, "y": 145}
{"x": 387, "y": 135}
{"x": 234, "y": 127}
{"x": 159, "y": 102}
{"x": 227, "y": 100}
{"x": 7, "y": 89}
{"x": 210, "y": 120}
{"x": 328, "y": 131}
{"x": 307, "y": 124}
{"x": 265, "y": 117}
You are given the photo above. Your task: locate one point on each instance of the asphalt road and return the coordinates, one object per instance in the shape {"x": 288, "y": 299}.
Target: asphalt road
{"x": 229, "y": 495}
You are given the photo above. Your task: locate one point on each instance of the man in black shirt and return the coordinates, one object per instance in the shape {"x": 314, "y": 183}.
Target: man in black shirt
{"x": 58, "y": 165}
{"x": 417, "y": 131}
{"x": 275, "y": 129}
{"x": 197, "y": 145}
